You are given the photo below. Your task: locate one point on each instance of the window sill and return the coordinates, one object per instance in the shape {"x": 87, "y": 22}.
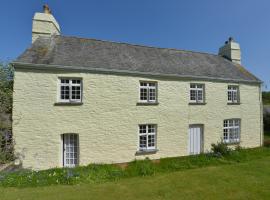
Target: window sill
{"x": 194, "y": 103}
{"x": 229, "y": 103}
{"x": 232, "y": 143}
{"x": 68, "y": 103}
{"x": 145, "y": 152}
{"x": 147, "y": 103}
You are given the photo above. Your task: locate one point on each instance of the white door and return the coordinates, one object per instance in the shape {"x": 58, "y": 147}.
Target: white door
{"x": 195, "y": 140}
{"x": 70, "y": 150}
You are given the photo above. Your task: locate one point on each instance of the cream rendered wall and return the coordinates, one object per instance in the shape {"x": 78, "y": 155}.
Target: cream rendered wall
{"x": 107, "y": 122}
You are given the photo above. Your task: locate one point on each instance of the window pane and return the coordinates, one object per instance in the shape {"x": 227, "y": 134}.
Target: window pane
{"x": 151, "y": 140}
{"x": 76, "y": 92}
{"x": 143, "y": 84}
{"x": 152, "y": 94}
{"x": 143, "y": 94}
{"x": 200, "y": 95}
{"x": 151, "y": 128}
{"x": 235, "y": 96}
{"x": 143, "y": 141}
{"x": 64, "y": 92}
{"x": 64, "y": 81}
{"x": 193, "y": 95}
{"x": 229, "y": 96}
{"x": 192, "y": 86}
{"x": 142, "y": 128}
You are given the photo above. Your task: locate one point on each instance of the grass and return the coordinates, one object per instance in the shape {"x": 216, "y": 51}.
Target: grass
{"x": 103, "y": 173}
{"x": 240, "y": 177}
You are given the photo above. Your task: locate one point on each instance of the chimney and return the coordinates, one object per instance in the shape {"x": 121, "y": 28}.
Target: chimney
{"x": 231, "y": 51}
{"x": 44, "y": 24}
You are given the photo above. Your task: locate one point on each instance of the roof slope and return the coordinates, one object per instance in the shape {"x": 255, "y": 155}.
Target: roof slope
{"x": 105, "y": 55}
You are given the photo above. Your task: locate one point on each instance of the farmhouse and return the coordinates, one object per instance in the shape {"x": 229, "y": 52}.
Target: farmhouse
{"x": 79, "y": 101}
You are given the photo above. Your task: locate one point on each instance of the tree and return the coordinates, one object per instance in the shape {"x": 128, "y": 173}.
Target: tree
{"x": 6, "y": 89}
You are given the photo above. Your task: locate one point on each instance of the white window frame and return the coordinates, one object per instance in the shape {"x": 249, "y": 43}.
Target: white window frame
{"x": 233, "y": 94}
{"x": 231, "y": 128}
{"x": 147, "y": 134}
{"x": 69, "y": 84}
{"x": 148, "y": 86}
{"x": 196, "y": 87}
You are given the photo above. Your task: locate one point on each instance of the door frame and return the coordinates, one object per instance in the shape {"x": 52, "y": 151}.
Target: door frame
{"x": 202, "y": 138}
{"x": 63, "y": 149}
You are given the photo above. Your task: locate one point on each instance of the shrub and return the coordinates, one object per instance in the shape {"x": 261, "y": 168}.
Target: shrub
{"x": 6, "y": 147}
{"x": 140, "y": 168}
{"x": 221, "y": 148}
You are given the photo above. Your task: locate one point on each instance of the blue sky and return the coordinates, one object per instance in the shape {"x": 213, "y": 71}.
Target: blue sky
{"x": 190, "y": 25}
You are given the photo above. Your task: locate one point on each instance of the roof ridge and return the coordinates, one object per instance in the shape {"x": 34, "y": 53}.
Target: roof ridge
{"x": 139, "y": 45}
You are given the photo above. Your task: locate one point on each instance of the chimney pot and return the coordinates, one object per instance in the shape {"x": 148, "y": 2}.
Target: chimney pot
{"x": 46, "y": 9}
{"x": 231, "y": 39}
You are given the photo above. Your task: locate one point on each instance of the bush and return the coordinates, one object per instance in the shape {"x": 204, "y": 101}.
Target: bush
{"x": 140, "y": 168}
{"x": 6, "y": 147}
{"x": 220, "y": 149}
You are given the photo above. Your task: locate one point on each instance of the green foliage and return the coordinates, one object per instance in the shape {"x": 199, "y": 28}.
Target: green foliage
{"x": 266, "y": 121}
{"x": 140, "y": 168}
{"x": 6, "y": 87}
{"x": 266, "y": 98}
{"x": 95, "y": 173}
{"x": 220, "y": 149}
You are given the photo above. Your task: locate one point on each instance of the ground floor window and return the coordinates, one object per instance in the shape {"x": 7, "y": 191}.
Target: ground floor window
{"x": 231, "y": 130}
{"x": 147, "y": 137}
{"x": 70, "y": 150}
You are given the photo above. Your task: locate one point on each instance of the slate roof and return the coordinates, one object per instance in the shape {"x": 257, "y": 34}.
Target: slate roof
{"x": 95, "y": 54}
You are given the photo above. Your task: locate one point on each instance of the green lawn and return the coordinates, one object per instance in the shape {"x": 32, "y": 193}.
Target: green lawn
{"x": 247, "y": 180}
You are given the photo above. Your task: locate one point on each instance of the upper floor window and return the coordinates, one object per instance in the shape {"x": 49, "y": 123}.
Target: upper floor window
{"x": 70, "y": 90}
{"x": 231, "y": 130}
{"x": 148, "y": 92}
{"x": 147, "y": 137}
{"x": 233, "y": 94}
{"x": 196, "y": 93}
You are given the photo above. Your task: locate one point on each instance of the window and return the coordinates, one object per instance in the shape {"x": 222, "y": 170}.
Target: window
{"x": 233, "y": 94}
{"x": 70, "y": 90}
{"x": 147, "y": 137}
{"x": 148, "y": 92}
{"x": 231, "y": 130}
{"x": 196, "y": 93}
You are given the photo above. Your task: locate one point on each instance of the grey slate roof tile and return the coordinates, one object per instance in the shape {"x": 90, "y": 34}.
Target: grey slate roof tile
{"x": 98, "y": 54}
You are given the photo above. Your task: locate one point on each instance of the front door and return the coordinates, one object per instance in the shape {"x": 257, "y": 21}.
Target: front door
{"x": 195, "y": 139}
{"x": 70, "y": 150}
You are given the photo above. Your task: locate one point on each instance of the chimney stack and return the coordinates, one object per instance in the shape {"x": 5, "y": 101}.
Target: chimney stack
{"x": 44, "y": 24}
{"x": 231, "y": 51}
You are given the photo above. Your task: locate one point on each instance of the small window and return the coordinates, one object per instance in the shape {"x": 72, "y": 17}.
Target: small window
{"x": 233, "y": 94}
{"x": 231, "y": 131}
{"x": 70, "y": 90}
{"x": 148, "y": 92}
{"x": 147, "y": 137}
{"x": 196, "y": 93}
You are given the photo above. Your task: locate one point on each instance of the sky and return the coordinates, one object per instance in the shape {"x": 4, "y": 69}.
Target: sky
{"x": 183, "y": 24}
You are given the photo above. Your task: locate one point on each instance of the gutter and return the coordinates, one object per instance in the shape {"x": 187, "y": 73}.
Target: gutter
{"x": 20, "y": 65}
